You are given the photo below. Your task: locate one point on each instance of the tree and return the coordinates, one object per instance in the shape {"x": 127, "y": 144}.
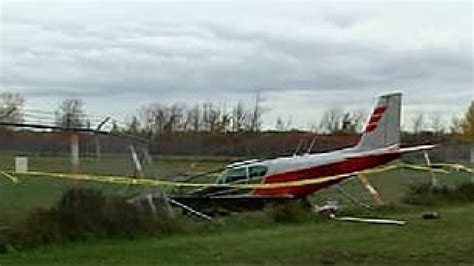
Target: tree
{"x": 418, "y": 122}
{"x": 456, "y": 125}
{"x": 194, "y": 118}
{"x": 436, "y": 123}
{"x": 331, "y": 121}
{"x": 11, "y": 107}
{"x": 133, "y": 127}
{"x": 256, "y": 115}
{"x": 239, "y": 117}
{"x": 351, "y": 122}
{"x": 70, "y": 114}
{"x": 467, "y": 124}
{"x": 174, "y": 117}
{"x": 115, "y": 128}
{"x": 210, "y": 116}
{"x": 282, "y": 125}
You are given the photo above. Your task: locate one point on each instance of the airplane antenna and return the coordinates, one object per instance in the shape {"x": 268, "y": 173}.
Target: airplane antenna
{"x": 300, "y": 142}
{"x": 312, "y": 144}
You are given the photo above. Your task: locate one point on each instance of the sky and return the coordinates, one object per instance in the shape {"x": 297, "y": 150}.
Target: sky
{"x": 301, "y": 57}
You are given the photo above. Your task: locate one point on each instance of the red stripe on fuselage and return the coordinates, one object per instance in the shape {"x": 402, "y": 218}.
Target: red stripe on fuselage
{"x": 338, "y": 168}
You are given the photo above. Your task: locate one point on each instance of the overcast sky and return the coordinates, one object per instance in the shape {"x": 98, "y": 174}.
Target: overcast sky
{"x": 302, "y": 57}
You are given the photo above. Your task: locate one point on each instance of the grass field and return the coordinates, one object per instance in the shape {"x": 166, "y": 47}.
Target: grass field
{"x": 448, "y": 240}
{"x": 246, "y": 240}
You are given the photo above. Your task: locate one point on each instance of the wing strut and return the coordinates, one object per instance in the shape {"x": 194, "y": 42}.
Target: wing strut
{"x": 191, "y": 210}
{"x": 352, "y": 198}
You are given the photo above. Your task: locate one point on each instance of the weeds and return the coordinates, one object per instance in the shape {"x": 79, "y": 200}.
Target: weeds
{"x": 294, "y": 211}
{"x": 425, "y": 194}
{"x": 87, "y": 213}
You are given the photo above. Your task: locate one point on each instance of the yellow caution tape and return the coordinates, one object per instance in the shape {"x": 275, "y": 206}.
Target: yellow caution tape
{"x": 422, "y": 168}
{"x": 154, "y": 182}
{"x": 12, "y": 178}
{"x": 457, "y": 167}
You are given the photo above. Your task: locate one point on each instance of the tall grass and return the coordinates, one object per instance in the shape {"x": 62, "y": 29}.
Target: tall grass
{"x": 87, "y": 213}
{"x": 425, "y": 194}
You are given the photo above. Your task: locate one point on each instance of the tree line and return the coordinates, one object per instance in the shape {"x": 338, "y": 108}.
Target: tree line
{"x": 157, "y": 118}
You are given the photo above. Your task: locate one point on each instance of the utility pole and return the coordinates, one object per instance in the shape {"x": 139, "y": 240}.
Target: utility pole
{"x": 74, "y": 153}
{"x": 97, "y": 138}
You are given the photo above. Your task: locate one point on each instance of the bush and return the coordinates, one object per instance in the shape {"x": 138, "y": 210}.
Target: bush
{"x": 40, "y": 227}
{"x": 294, "y": 211}
{"x": 87, "y": 213}
{"x": 425, "y": 194}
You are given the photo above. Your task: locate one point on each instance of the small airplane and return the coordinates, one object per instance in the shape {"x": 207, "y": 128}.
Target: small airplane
{"x": 378, "y": 145}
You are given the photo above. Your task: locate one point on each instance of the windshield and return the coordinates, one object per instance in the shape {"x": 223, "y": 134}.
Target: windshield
{"x": 257, "y": 171}
{"x": 242, "y": 173}
{"x": 233, "y": 175}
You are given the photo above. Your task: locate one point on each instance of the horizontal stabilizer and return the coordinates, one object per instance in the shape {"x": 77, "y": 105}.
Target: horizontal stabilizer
{"x": 417, "y": 148}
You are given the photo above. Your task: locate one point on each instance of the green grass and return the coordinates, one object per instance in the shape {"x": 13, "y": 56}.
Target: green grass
{"x": 444, "y": 241}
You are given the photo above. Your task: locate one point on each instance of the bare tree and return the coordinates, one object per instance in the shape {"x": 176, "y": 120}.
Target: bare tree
{"x": 331, "y": 121}
{"x": 174, "y": 115}
{"x": 225, "y": 121}
{"x": 239, "y": 117}
{"x": 359, "y": 119}
{"x": 133, "y": 127}
{"x": 468, "y": 123}
{"x": 436, "y": 123}
{"x": 158, "y": 118}
{"x": 11, "y": 107}
{"x": 115, "y": 128}
{"x": 194, "y": 118}
{"x": 210, "y": 116}
{"x": 456, "y": 125}
{"x": 351, "y": 122}
{"x": 70, "y": 114}
{"x": 256, "y": 115}
{"x": 282, "y": 124}
{"x": 418, "y": 123}
{"x": 153, "y": 118}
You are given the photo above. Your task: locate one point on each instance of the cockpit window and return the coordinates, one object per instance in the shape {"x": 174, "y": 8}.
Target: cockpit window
{"x": 257, "y": 171}
{"x": 239, "y": 174}
{"x": 233, "y": 175}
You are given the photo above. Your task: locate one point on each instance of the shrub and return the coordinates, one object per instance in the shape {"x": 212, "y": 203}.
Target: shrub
{"x": 425, "y": 194}
{"x": 40, "y": 227}
{"x": 294, "y": 211}
{"x": 87, "y": 213}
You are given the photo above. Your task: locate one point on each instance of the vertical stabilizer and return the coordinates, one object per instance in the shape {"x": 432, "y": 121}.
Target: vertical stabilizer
{"x": 383, "y": 125}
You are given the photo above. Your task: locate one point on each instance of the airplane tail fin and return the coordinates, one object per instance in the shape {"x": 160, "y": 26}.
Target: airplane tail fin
{"x": 383, "y": 125}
